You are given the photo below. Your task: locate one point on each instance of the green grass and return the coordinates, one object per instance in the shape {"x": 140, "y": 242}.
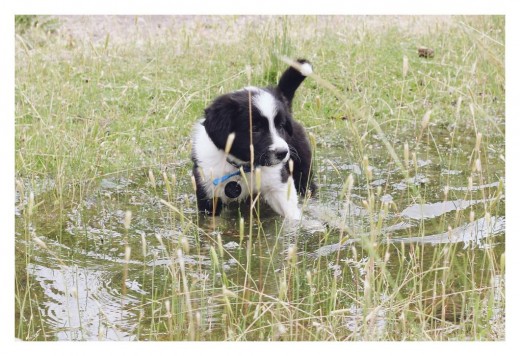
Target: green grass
{"x": 89, "y": 111}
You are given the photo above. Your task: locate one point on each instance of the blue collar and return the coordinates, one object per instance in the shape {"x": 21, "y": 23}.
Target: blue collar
{"x": 246, "y": 167}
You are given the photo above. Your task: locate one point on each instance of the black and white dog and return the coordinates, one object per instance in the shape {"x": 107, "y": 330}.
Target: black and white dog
{"x": 223, "y": 172}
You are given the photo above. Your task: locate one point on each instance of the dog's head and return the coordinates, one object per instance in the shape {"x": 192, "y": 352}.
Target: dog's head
{"x": 263, "y": 114}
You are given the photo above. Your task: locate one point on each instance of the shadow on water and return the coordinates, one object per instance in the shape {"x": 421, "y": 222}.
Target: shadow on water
{"x": 87, "y": 286}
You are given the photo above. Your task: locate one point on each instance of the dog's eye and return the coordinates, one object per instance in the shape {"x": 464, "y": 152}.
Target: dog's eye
{"x": 280, "y": 125}
{"x": 259, "y": 126}
{"x": 279, "y": 122}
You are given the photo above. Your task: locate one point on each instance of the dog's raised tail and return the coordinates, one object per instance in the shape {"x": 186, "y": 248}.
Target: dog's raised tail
{"x": 293, "y": 77}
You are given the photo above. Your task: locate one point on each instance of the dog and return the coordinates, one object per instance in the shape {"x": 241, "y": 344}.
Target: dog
{"x": 226, "y": 169}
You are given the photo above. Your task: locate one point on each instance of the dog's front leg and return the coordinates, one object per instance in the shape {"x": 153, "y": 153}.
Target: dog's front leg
{"x": 284, "y": 200}
{"x": 207, "y": 203}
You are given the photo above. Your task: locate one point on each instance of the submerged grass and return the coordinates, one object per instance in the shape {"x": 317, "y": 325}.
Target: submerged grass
{"x": 103, "y": 179}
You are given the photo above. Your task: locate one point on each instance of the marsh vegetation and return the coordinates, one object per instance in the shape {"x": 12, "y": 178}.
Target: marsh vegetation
{"x": 405, "y": 239}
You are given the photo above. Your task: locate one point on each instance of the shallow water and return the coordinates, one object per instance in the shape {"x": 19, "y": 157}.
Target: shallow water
{"x": 88, "y": 289}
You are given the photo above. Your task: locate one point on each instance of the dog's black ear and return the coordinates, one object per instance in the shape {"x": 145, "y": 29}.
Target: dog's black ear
{"x": 219, "y": 119}
{"x": 292, "y": 78}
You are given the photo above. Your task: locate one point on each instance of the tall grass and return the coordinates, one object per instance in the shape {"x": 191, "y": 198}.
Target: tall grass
{"x": 89, "y": 111}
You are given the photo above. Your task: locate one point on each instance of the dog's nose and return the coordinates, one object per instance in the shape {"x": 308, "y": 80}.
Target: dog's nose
{"x": 280, "y": 154}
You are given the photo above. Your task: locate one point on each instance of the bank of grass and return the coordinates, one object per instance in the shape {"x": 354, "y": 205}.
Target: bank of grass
{"x": 86, "y": 110}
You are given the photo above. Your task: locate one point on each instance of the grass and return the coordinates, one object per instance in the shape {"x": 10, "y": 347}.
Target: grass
{"x": 103, "y": 127}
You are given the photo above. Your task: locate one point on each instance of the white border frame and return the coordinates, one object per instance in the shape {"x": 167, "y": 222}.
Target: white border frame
{"x": 268, "y": 7}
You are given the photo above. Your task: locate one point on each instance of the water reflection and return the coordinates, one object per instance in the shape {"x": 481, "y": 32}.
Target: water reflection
{"x": 433, "y": 210}
{"x": 81, "y": 304}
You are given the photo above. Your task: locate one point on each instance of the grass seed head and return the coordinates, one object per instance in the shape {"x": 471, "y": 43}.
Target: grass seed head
{"x": 291, "y": 254}
{"x": 184, "y": 244}
{"x": 258, "y": 178}
{"x": 405, "y": 66}
{"x": 229, "y": 142}
{"x": 220, "y": 246}
{"x": 168, "y": 308}
{"x": 40, "y": 242}
{"x": 143, "y": 243}
{"x": 229, "y": 294}
{"x": 159, "y": 238}
{"x": 350, "y": 183}
{"x": 312, "y": 140}
{"x": 194, "y": 183}
{"x": 241, "y": 229}
{"x": 478, "y": 165}
{"x": 289, "y": 187}
{"x": 458, "y": 105}
{"x": 308, "y": 276}
{"x": 165, "y": 178}
{"x": 370, "y": 174}
{"x": 128, "y": 219}
{"x": 487, "y": 218}
{"x": 30, "y": 205}
{"x": 152, "y": 178}
{"x": 426, "y": 120}
{"x": 214, "y": 256}
{"x": 128, "y": 251}
{"x": 478, "y": 142}
{"x": 365, "y": 163}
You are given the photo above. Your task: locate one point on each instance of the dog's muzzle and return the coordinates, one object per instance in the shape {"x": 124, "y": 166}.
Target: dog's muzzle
{"x": 274, "y": 157}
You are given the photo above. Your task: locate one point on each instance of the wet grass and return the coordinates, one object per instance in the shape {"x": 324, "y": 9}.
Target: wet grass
{"x": 106, "y": 228}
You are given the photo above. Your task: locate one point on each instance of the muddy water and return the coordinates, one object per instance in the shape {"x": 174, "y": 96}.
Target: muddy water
{"x": 87, "y": 287}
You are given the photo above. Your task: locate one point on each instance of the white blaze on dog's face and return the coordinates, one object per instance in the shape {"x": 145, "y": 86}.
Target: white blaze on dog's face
{"x": 268, "y": 113}
{"x": 278, "y": 150}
